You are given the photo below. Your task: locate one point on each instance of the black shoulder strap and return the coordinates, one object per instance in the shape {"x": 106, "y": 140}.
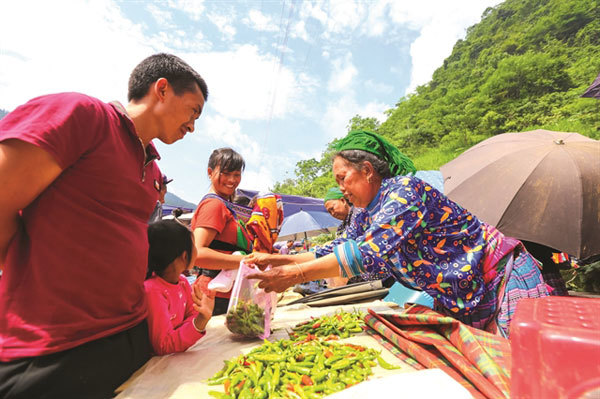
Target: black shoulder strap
{"x": 225, "y": 246}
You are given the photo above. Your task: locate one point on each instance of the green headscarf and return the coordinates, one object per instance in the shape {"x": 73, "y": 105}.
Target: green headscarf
{"x": 375, "y": 144}
{"x": 333, "y": 194}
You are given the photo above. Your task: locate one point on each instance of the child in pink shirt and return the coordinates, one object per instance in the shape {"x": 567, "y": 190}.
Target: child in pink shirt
{"x": 176, "y": 317}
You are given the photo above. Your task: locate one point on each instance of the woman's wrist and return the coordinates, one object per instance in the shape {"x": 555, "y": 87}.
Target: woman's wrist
{"x": 300, "y": 276}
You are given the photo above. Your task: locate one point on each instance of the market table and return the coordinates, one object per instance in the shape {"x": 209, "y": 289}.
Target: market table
{"x": 184, "y": 375}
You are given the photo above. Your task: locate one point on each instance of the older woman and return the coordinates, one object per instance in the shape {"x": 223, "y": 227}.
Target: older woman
{"x": 426, "y": 241}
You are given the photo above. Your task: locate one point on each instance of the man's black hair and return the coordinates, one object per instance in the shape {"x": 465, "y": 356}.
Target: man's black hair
{"x": 182, "y": 77}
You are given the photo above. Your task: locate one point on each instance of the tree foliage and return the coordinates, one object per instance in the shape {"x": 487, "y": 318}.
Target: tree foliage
{"x": 523, "y": 67}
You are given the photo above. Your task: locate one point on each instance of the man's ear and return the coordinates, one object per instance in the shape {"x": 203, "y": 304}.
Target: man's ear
{"x": 160, "y": 88}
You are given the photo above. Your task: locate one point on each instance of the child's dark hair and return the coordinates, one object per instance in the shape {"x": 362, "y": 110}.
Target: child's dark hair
{"x": 167, "y": 240}
{"x": 226, "y": 159}
{"x": 240, "y": 199}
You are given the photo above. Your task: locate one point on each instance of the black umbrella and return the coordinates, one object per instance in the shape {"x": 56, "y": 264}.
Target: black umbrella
{"x": 539, "y": 186}
{"x": 594, "y": 90}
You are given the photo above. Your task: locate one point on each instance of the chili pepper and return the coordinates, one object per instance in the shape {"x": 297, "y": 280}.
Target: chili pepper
{"x": 319, "y": 376}
{"x": 329, "y": 365}
{"x": 217, "y": 381}
{"x": 222, "y": 371}
{"x": 342, "y": 324}
{"x": 245, "y": 394}
{"x": 385, "y": 364}
{"x": 246, "y": 319}
{"x": 298, "y": 369}
{"x": 219, "y": 395}
{"x": 306, "y": 380}
{"x": 251, "y": 373}
{"x": 269, "y": 357}
{"x": 341, "y": 364}
{"x": 332, "y": 360}
{"x": 259, "y": 393}
{"x": 276, "y": 375}
{"x": 236, "y": 378}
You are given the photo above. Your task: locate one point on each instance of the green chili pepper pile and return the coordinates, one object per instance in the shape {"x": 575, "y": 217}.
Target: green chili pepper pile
{"x": 247, "y": 319}
{"x": 296, "y": 369}
{"x": 342, "y": 324}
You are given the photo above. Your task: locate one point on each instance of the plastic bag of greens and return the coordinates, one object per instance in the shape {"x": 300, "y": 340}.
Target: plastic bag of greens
{"x": 250, "y": 308}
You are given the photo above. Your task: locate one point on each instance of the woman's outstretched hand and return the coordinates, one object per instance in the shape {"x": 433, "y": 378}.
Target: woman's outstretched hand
{"x": 259, "y": 259}
{"x": 278, "y": 279}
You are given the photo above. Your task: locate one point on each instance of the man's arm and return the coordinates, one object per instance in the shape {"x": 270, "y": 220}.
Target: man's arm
{"x": 25, "y": 171}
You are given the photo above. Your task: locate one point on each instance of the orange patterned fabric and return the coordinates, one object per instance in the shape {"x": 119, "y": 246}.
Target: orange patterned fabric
{"x": 480, "y": 361}
{"x": 265, "y": 222}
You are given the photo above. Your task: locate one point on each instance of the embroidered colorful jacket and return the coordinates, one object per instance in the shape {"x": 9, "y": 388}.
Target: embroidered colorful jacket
{"x": 428, "y": 242}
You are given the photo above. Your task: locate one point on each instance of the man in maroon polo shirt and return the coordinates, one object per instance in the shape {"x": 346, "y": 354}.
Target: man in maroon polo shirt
{"x": 79, "y": 183}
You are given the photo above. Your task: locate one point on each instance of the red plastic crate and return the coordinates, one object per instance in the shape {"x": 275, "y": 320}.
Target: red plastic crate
{"x": 555, "y": 343}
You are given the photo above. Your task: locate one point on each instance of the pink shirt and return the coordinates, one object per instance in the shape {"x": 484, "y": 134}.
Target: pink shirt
{"x": 170, "y": 315}
{"x": 75, "y": 269}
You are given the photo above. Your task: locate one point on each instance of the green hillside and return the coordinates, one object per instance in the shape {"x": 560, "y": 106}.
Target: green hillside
{"x": 523, "y": 67}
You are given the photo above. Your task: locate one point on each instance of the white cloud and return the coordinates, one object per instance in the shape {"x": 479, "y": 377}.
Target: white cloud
{"x": 313, "y": 10}
{"x": 441, "y": 23}
{"x": 344, "y": 15}
{"x": 163, "y": 18}
{"x": 193, "y": 8}
{"x": 224, "y": 23}
{"x": 227, "y": 133}
{"x": 377, "y": 21}
{"x": 246, "y": 84}
{"x": 260, "y": 22}
{"x": 373, "y": 110}
{"x": 299, "y": 31}
{"x": 342, "y": 74}
{"x": 176, "y": 40}
{"x": 336, "y": 117}
{"x": 260, "y": 179}
{"x": 87, "y": 59}
{"x": 338, "y": 114}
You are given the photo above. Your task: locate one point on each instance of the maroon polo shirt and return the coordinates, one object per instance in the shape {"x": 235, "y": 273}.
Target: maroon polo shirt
{"x": 75, "y": 269}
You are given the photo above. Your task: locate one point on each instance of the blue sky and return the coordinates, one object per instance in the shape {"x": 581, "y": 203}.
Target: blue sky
{"x": 285, "y": 77}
